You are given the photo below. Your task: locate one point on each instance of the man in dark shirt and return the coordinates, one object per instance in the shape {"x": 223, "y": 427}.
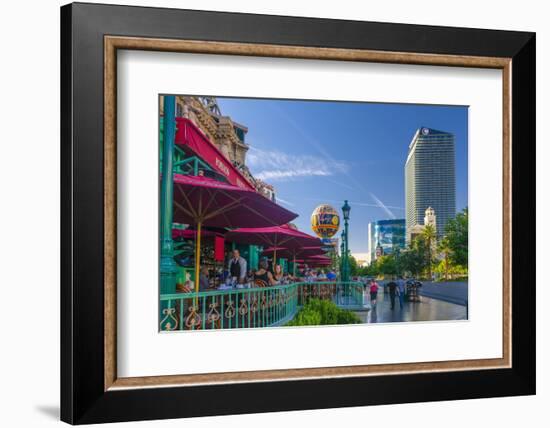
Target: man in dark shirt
{"x": 237, "y": 267}
{"x": 392, "y": 287}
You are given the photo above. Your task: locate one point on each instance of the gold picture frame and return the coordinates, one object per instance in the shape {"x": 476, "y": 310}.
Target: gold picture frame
{"x": 114, "y": 43}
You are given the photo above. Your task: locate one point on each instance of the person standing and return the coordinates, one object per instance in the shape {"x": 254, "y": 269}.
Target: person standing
{"x": 401, "y": 291}
{"x": 237, "y": 267}
{"x": 392, "y": 288}
{"x": 373, "y": 289}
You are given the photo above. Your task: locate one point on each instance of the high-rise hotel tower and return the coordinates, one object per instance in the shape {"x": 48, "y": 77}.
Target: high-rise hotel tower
{"x": 430, "y": 179}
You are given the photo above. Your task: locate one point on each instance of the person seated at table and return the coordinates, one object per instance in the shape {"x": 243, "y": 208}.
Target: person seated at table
{"x": 262, "y": 277}
{"x": 321, "y": 275}
{"x": 204, "y": 281}
{"x": 312, "y": 275}
{"x": 278, "y": 275}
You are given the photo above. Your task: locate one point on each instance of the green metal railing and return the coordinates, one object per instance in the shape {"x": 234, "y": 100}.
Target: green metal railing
{"x": 251, "y": 307}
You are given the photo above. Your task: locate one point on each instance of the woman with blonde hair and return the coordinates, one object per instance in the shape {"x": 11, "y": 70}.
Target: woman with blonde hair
{"x": 278, "y": 274}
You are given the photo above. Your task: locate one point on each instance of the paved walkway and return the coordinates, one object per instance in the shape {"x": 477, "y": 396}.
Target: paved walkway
{"x": 453, "y": 292}
{"x": 427, "y": 310}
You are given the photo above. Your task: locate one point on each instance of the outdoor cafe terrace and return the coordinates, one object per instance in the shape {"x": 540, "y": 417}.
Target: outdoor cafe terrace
{"x": 202, "y": 189}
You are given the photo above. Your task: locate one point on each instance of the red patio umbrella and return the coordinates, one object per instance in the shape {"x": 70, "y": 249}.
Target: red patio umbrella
{"x": 278, "y": 236}
{"x": 192, "y": 233}
{"x": 319, "y": 258}
{"x": 319, "y": 261}
{"x": 202, "y": 201}
{"x": 295, "y": 252}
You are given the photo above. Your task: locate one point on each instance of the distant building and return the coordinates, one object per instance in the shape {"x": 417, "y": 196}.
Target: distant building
{"x": 362, "y": 259}
{"x": 331, "y": 246}
{"x": 385, "y": 237}
{"x": 430, "y": 179}
{"x": 430, "y": 219}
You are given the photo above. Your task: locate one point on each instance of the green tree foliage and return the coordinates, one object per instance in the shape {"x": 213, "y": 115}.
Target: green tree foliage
{"x": 354, "y": 267}
{"x": 453, "y": 271}
{"x": 445, "y": 250}
{"x": 456, "y": 232}
{"x": 414, "y": 260}
{"x": 323, "y": 312}
{"x": 448, "y": 257}
{"x": 370, "y": 270}
{"x": 387, "y": 265}
{"x": 429, "y": 236}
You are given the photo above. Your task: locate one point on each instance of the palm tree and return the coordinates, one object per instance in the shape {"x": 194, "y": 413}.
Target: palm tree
{"x": 444, "y": 248}
{"x": 429, "y": 236}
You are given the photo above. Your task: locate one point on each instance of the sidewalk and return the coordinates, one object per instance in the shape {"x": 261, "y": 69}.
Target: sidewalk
{"x": 427, "y": 310}
{"x": 453, "y": 292}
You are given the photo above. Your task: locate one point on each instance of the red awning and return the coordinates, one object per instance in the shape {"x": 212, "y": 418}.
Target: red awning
{"x": 192, "y": 140}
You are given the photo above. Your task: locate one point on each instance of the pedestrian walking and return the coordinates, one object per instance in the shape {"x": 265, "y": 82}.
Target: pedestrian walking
{"x": 401, "y": 291}
{"x": 393, "y": 289}
{"x": 373, "y": 289}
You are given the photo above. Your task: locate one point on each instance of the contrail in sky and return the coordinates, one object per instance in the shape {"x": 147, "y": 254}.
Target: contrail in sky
{"x": 361, "y": 204}
{"x": 282, "y": 201}
{"x": 338, "y": 183}
{"x": 327, "y": 156}
{"x": 380, "y": 204}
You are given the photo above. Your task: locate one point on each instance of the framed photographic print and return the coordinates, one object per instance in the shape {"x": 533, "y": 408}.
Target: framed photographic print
{"x": 266, "y": 213}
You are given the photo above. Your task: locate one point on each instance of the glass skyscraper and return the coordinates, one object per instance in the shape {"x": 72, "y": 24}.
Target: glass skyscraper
{"x": 385, "y": 236}
{"x": 430, "y": 178}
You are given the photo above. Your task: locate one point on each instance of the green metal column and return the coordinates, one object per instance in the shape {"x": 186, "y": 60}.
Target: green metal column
{"x": 343, "y": 257}
{"x": 284, "y": 264}
{"x": 168, "y": 267}
{"x": 346, "y": 264}
{"x": 254, "y": 258}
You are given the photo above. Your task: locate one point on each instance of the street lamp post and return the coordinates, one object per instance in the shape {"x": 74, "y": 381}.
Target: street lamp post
{"x": 168, "y": 269}
{"x": 342, "y": 258}
{"x": 346, "y": 210}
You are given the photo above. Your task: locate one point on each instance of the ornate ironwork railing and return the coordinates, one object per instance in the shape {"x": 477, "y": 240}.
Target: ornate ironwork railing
{"x": 251, "y": 307}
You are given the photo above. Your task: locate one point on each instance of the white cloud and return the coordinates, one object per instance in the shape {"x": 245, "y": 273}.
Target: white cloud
{"x": 280, "y": 166}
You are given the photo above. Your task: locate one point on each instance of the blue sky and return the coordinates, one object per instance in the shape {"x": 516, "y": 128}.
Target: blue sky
{"x": 317, "y": 152}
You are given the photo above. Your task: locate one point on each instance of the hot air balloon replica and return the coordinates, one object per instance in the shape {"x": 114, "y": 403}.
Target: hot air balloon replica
{"x": 325, "y": 221}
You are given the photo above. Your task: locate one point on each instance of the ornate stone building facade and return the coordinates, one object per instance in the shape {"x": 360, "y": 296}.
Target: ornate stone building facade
{"x": 227, "y": 135}
{"x": 430, "y": 218}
